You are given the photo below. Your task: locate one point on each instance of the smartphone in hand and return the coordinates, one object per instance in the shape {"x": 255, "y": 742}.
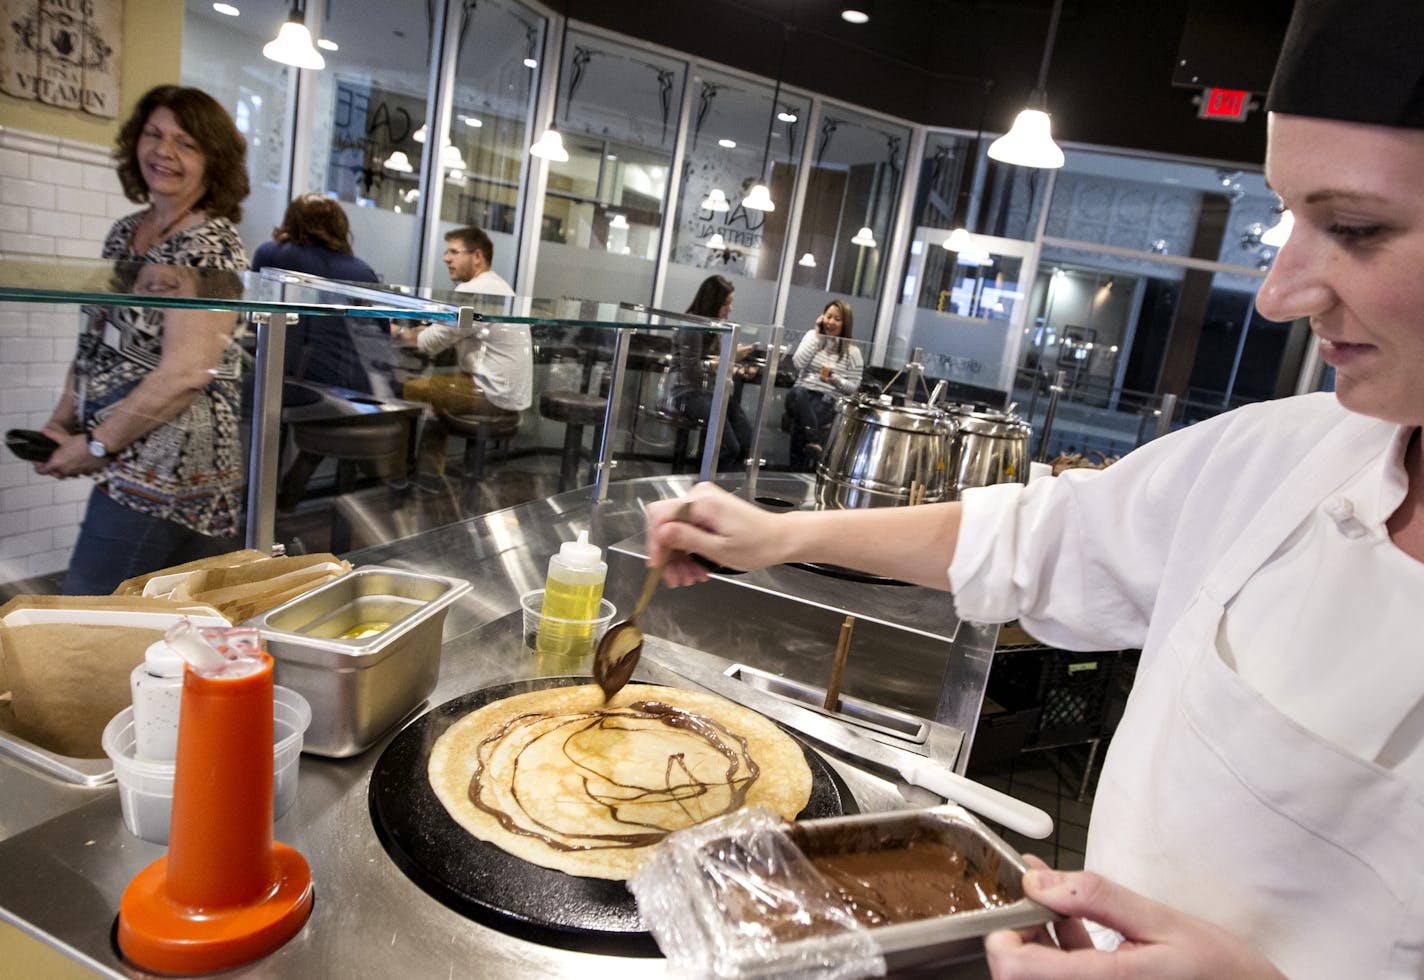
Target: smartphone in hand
{"x": 30, "y": 445}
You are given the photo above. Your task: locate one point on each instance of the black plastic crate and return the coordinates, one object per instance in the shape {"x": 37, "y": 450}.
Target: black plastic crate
{"x": 1069, "y": 689}
{"x": 1000, "y": 735}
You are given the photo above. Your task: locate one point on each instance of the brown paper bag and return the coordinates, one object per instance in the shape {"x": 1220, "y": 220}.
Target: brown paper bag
{"x": 135, "y": 586}
{"x": 243, "y": 591}
{"x": 67, "y": 679}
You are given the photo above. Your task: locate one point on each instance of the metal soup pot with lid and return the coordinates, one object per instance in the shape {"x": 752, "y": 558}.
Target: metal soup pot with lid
{"x": 878, "y": 452}
{"x": 992, "y": 447}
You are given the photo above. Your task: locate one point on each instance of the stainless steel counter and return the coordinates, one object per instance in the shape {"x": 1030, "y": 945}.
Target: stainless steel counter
{"x": 66, "y": 856}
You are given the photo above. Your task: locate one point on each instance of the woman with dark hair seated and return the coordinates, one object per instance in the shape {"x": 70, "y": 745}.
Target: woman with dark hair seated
{"x": 693, "y": 371}
{"x": 315, "y": 237}
{"x": 828, "y": 367}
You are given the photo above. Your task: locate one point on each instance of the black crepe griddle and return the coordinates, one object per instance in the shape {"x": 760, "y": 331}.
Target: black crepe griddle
{"x": 483, "y": 882}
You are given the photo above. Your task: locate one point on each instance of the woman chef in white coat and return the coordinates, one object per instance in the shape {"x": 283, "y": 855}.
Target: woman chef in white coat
{"x": 1261, "y": 808}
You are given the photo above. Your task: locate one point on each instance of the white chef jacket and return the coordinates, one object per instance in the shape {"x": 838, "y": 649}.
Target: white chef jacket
{"x": 499, "y": 356}
{"x": 1213, "y": 799}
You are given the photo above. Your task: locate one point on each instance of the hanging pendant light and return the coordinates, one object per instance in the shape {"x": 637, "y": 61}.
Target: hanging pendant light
{"x": 293, "y": 43}
{"x": 958, "y": 241}
{"x": 451, "y": 158}
{"x": 398, "y": 162}
{"x": 619, "y": 220}
{"x": 865, "y": 238}
{"x": 550, "y": 146}
{"x": 760, "y": 197}
{"x": 716, "y": 201}
{"x": 1029, "y": 142}
{"x": 419, "y": 134}
{"x": 808, "y": 260}
{"x": 715, "y": 242}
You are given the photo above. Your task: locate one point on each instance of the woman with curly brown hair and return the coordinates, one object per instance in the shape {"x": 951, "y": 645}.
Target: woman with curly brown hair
{"x": 151, "y": 405}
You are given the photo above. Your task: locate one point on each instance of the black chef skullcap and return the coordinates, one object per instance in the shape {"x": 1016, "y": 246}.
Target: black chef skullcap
{"x": 1356, "y": 60}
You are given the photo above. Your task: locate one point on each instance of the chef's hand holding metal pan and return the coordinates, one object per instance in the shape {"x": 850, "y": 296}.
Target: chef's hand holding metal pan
{"x": 1157, "y": 939}
{"x": 733, "y": 532}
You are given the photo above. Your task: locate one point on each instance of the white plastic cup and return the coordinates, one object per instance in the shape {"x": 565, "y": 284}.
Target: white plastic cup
{"x": 588, "y": 631}
{"x": 146, "y": 787}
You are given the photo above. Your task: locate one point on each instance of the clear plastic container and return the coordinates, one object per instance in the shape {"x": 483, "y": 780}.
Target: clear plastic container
{"x": 146, "y": 788}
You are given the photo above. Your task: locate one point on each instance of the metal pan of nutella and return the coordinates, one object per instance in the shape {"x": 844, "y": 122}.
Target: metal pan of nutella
{"x": 929, "y": 884}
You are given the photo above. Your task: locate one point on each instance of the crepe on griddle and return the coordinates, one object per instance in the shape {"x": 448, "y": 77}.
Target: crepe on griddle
{"x": 562, "y": 780}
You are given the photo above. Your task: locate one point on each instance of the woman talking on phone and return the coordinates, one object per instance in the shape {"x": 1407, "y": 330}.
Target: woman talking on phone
{"x": 827, "y": 366}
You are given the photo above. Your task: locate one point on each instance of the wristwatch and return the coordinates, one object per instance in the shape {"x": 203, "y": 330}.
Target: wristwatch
{"x": 98, "y": 450}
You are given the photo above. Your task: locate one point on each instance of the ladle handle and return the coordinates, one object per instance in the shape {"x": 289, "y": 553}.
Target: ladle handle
{"x": 650, "y": 584}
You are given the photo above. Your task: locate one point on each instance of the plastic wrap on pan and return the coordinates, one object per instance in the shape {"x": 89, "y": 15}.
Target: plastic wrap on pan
{"x": 746, "y": 896}
{"x": 728, "y": 898}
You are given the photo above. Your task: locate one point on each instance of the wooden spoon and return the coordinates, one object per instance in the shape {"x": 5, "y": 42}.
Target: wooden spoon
{"x": 617, "y": 655}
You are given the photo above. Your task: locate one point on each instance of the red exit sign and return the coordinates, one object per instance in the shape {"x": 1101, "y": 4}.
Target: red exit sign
{"x": 1224, "y": 103}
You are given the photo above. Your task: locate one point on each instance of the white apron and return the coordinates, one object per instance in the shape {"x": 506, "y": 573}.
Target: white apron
{"x": 1216, "y": 803}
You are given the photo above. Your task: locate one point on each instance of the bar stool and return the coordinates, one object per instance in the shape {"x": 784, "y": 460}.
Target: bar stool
{"x": 478, "y": 431}
{"x": 576, "y": 410}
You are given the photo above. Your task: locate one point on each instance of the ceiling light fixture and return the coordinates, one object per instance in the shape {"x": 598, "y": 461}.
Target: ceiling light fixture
{"x": 865, "y": 238}
{"x": 1029, "y": 142}
{"x": 472, "y": 121}
{"x": 293, "y": 43}
{"x": 398, "y": 162}
{"x": 451, "y": 158}
{"x": 787, "y": 117}
{"x": 226, "y": 9}
{"x": 760, "y": 197}
{"x": 727, "y": 144}
{"x": 326, "y": 45}
{"x": 619, "y": 220}
{"x": 808, "y": 260}
{"x": 716, "y": 201}
{"x": 419, "y": 134}
{"x": 856, "y": 13}
{"x": 958, "y": 241}
{"x": 530, "y": 63}
{"x": 550, "y": 146}
{"x": 715, "y": 242}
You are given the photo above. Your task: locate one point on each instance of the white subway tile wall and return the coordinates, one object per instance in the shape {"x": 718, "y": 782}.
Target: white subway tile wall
{"x": 57, "y": 198}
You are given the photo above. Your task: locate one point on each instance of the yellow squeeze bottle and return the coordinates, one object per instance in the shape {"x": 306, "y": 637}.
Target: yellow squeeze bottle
{"x": 572, "y": 591}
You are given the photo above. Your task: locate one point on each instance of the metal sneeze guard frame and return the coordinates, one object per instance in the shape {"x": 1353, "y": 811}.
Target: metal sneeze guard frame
{"x": 271, "y": 299}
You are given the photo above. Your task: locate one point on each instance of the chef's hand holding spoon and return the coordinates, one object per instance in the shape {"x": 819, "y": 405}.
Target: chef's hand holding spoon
{"x": 720, "y": 527}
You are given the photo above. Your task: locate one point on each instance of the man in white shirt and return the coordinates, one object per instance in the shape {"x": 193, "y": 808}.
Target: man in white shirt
{"x": 496, "y": 360}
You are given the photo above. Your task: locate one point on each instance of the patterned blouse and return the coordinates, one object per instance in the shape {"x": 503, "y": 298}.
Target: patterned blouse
{"x": 189, "y": 469}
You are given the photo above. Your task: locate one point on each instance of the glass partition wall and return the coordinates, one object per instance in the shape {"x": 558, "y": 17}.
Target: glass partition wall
{"x": 737, "y": 138}
{"x": 600, "y": 226}
{"x": 1133, "y": 276}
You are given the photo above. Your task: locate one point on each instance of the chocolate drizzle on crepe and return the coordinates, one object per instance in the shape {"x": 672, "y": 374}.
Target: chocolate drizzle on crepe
{"x": 693, "y": 796}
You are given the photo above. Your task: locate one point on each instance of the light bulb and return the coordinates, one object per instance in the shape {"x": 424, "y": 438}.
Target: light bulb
{"x": 808, "y": 260}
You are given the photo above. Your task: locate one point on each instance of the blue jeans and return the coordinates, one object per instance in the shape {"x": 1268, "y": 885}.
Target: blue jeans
{"x": 812, "y": 413}
{"x": 116, "y": 543}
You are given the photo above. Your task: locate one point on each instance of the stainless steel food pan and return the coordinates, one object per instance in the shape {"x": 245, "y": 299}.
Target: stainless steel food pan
{"x": 359, "y": 689}
{"x": 944, "y": 938}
